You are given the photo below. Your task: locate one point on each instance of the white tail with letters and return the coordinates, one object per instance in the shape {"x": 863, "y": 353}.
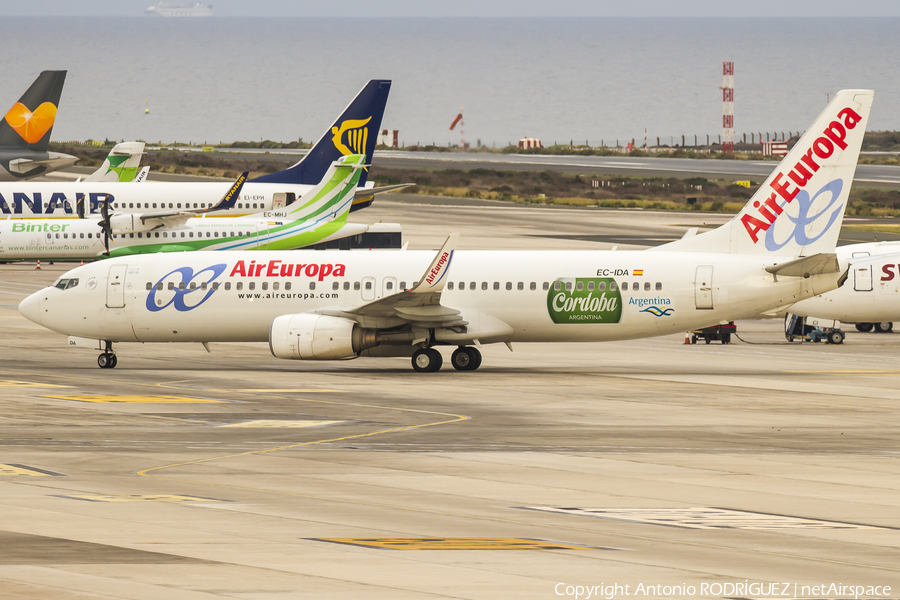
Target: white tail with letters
{"x": 799, "y": 209}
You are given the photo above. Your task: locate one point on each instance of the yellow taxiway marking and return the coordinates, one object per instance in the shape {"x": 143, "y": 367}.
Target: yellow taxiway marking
{"x": 12, "y": 383}
{"x": 13, "y": 470}
{"x": 138, "y": 498}
{"x": 851, "y": 372}
{"x": 274, "y": 423}
{"x": 456, "y": 544}
{"x": 285, "y": 391}
{"x": 137, "y": 399}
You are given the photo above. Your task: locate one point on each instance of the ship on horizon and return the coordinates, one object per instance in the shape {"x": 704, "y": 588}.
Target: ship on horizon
{"x": 191, "y": 9}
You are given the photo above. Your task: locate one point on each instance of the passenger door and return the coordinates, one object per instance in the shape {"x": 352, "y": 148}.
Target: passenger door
{"x": 115, "y": 287}
{"x": 862, "y": 278}
{"x": 703, "y": 296}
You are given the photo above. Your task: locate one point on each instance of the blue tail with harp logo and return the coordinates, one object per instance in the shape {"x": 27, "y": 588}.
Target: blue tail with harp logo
{"x": 354, "y": 132}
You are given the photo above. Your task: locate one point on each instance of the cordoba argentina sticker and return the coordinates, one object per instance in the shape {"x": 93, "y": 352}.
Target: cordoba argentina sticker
{"x": 584, "y": 300}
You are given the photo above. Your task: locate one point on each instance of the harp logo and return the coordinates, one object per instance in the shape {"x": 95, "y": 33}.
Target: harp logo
{"x": 31, "y": 126}
{"x": 351, "y": 137}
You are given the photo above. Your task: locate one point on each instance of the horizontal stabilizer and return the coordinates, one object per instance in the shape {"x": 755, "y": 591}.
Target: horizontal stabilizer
{"x": 817, "y": 264}
{"x": 368, "y": 192}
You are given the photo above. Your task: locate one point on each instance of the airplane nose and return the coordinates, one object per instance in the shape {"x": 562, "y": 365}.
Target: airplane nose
{"x": 30, "y": 307}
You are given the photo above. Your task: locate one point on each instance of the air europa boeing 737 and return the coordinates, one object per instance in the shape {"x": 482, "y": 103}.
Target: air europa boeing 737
{"x": 354, "y": 132}
{"x": 331, "y": 305}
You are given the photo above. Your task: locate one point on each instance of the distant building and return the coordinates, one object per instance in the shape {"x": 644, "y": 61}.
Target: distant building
{"x": 774, "y": 149}
{"x": 389, "y": 138}
{"x": 528, "y": 143}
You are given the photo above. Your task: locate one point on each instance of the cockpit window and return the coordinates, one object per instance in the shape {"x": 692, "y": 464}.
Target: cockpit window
{"x": 65, "y": 284}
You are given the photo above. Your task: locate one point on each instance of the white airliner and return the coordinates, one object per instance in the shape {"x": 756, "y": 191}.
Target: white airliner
{"x": 338, "y": 305}
{"x": 871, "y": 296}
{"x": 350, "y": 134}
{"x": 321, "y": 217}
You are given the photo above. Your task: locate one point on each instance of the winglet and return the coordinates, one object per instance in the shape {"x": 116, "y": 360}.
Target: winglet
{"x": 231, "y": 197}
{"x": 435, "y": 276}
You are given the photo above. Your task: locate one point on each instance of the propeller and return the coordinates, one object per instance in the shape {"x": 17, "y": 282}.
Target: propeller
{"x": 105, "y": 225}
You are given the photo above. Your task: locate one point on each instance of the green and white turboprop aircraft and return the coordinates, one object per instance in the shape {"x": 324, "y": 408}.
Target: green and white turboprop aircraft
{"x": 321, "y": 217}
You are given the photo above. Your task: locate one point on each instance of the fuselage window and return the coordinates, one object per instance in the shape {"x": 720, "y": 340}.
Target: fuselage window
{"x": 658, "y": 286}
{"x": 368, "y": 285}
{"x": 156, "y": 234}
{"x": 190, "y": 234}
{"x": 556, "y": 286}
{"x": 578, "y": 286}
{"x": 612, "y": 286}
{"x": 390, "y": 285}
{"x": 131, "y": 205}
{"x": 159, "y": 286}
{"x": 170, "y": 205}
{"x": 131, "y": 235}
{"x": 181, "y": 286}
{"x": 140, "y": 235}
{"x": 356, "y": 286}
{"x": 509, "y": 285}
{"x": 450, "y": 285}
{"x": 546, "y": 286}
{"x": 166, "y": 234}
{"x": 193, "y": 285}
{"x": 462, "y": 285}
{"x": 520, "y": 286}
{"x": 533, "y": 286}
{"x": 312, "y": 285}
{"x": 215, "y": 286}
{"x": 590, "y": 286}
{"x": 265, "y": 285}
{"x": 472, "y": 285}
{"x": 154, "y": 205}
{"x": 149, "y": 286}
{"x": 227, "y": 286}
{"x": 600, "y": 286}
{"x": 625, "y": 285}
{"x": 402, "y": 285}
{"x": 254, "y": 205}
{"x": 496, "y": 285}
{"x": 182, "y": 234}
{"x": 252, "y": 285}
{"x": 57, "y": 236}
{"x": 171, "y": 286}
{"x": 217, "y": 234}
{"x": 287, "y": 285}
{"x": 179, "y": 205}
{"x": 336, "y": 285}
{"x": 568, "y": 286}
{"x": 275, "y": 286}
{"x": 195, "y": 205}
{"x": 239, "y": 286}
{"x": 346, "y": 285}
{"x": 484, "y": 285}
{"x": 203, "y": 285}
{"x": 90, "y": 236}
{"x": 647, "y": 286}
{"x": 81, "y": 235}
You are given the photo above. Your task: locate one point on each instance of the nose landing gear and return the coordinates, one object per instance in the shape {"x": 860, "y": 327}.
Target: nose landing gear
{"x": 108, "y": 359}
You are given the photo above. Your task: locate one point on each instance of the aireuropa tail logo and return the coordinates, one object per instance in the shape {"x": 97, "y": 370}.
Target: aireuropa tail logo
{"x": 584, "y": 300}
{"x": 31, "y": 125}
{"x": 356, "y": 134}
{"x": 184, "y": 289}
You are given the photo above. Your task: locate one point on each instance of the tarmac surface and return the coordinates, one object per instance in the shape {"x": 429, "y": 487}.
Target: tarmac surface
{"x": 187, "y": 475}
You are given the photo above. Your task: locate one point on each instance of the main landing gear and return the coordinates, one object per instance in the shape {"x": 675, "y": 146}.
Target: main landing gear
{"x": 108, "y": 359}
{"x": 429, "y": 360}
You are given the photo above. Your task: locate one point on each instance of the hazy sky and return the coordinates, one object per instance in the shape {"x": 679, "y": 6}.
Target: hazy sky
{"x": 475, "y": 8}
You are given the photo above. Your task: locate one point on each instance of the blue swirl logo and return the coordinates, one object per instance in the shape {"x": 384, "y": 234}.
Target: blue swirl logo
{"x": 804, "y": 219}
{"x": 183, "y": 290}
{"x": 658, "y": 312}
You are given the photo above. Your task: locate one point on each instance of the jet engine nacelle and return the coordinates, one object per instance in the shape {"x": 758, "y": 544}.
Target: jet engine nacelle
{"x": 129, "y": 224}
{"x": 308, "y": 336}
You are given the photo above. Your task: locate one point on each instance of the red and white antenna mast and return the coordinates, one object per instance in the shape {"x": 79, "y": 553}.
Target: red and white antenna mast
{"x": 728, "y": 107}
{"x": 462, "y": 124}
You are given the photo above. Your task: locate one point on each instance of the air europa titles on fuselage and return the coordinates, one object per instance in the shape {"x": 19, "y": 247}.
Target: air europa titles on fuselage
{"x": 823, "y": 147}
{"x": 277, "y": 268}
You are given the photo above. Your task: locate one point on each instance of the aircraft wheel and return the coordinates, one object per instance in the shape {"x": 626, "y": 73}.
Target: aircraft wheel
{"x": 836, "y": 336}
{"x": 461, "y": 359}
{"x": 427, "y": 360}
{"x": 475, "y": 353}
{"x": 884, "y": 327}
{"x": 864, "y": 327}
{"x": 104, "y": 360}
{"x": 113, "y": 361}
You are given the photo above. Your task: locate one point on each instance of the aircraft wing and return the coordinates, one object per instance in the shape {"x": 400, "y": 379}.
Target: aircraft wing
{"x": 421, "y": 305}
{"x": 180, "y": 217}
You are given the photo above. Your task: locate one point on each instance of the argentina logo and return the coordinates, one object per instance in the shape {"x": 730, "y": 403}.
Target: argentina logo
{"x": 184, "y": 289}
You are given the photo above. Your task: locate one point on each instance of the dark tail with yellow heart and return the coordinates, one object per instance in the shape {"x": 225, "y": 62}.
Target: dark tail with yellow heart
{"x": 29, "y": 122}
